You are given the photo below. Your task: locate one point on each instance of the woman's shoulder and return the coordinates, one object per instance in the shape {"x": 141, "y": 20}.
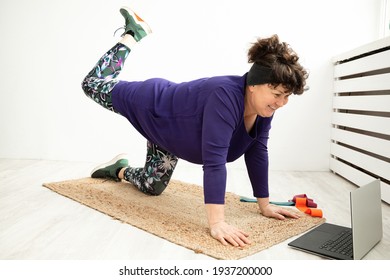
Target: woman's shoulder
{"x": 228, "y": 81}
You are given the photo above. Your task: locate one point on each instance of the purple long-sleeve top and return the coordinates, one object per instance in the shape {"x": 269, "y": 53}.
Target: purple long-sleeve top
{"x": 200, "y": 121}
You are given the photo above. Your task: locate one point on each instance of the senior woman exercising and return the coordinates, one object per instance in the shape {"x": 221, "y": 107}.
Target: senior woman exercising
{"x": 208, "y": 121}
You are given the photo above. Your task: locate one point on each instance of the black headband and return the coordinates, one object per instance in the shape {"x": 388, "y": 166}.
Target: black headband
{"x": 258, "y": 75}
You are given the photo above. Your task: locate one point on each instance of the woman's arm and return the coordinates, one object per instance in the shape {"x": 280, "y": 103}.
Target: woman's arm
{"x": 219, "y": 121}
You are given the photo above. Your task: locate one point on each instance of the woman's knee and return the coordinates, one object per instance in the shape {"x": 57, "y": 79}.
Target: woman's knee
{"x": 85, "y": 85}
{"x": 158, "y": 188}
{"x": 95, "y": 89}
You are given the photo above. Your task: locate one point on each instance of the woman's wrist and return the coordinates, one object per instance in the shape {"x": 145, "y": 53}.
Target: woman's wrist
{"x": 263, "y": 202}
{"x": 215, "y": 213}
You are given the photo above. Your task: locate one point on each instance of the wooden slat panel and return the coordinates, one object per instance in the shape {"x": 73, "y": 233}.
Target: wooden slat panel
{"x": 375, "y": 103}
{"x": 358, "y": 177}
{"x": 365, "y": 142}
{"x": 363, "y": 122}
{"x": 359, "y": 62}
{"x": 369, "y": 47}
{"x": 365, "y": 64}
{"x": 366, "y": 162}
{"x": 369, "y": 83}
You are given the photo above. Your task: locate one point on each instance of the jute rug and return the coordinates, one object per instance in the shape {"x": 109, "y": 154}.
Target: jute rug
{"x": 178, "y": 215}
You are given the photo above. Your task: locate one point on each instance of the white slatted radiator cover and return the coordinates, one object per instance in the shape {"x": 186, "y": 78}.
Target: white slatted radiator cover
{"x": 360, "y": 141}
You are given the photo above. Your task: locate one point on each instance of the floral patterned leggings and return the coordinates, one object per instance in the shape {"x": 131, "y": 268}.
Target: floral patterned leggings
{"x": 154, "y": 177}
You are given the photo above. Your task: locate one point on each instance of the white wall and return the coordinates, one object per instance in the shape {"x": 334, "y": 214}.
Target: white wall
{"x": 48, "y": 46}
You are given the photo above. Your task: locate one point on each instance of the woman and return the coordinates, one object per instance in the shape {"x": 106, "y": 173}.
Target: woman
{"x": 209, "y": 121}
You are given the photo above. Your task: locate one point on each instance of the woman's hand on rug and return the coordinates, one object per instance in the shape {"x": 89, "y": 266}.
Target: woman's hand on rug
{"x": 220, "y": 230}
{"x": 273, "y": 211}
{"x": 228, "y": 234}
{"x": 277, "y": 212}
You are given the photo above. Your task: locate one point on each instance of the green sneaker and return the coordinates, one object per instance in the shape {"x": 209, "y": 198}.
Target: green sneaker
{"x": 134, "y": 25}
{"x": 109, "y": 169}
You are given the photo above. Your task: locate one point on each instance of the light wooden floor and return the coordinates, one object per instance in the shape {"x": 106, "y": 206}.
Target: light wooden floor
{"x": 36, "y": 223}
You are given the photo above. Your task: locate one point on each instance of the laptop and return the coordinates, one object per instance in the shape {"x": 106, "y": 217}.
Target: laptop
{"x": 337, "y": 242}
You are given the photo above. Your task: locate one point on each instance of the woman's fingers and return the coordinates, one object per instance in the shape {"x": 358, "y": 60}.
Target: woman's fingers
{"x": 227, "y": 234}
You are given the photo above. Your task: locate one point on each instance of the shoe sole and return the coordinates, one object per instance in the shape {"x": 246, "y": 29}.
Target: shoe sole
{"x": 111, "y": 162}
{"x": 138, "y": 20}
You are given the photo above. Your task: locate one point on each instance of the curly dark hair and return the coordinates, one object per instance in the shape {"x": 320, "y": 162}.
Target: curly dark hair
{"x": 282, "y": 60}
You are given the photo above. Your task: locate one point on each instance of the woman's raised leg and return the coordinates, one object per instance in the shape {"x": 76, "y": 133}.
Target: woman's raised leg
{"x": 100, "y": 81}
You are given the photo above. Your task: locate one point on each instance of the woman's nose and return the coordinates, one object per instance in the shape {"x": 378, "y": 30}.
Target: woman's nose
{"x": 281, "y": 102}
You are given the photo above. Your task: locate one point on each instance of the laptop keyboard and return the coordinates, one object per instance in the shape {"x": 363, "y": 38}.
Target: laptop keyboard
{"x": 342, "y": 243}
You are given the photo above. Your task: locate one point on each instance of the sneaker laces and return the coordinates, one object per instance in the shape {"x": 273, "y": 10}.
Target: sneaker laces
{"x": 130, "y": 32}
{"x": 123, "y": 27}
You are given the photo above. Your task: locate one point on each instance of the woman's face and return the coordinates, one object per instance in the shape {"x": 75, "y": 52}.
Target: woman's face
{"x": 265, "y": 99}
